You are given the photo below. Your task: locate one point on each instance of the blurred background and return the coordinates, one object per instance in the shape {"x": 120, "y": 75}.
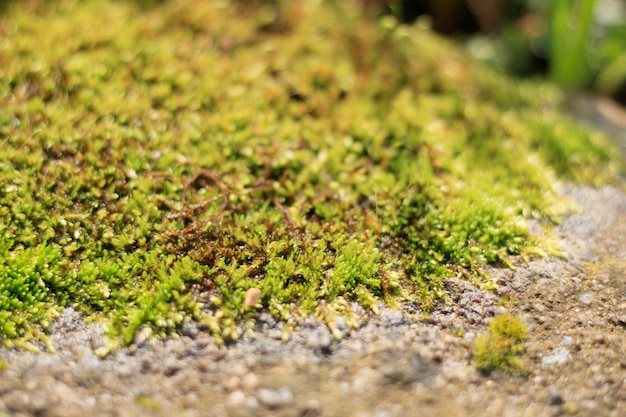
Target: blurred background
{"x": 579, "y": 44}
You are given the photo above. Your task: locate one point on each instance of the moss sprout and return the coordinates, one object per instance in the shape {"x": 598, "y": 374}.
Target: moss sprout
{"x": 500, "y": 347}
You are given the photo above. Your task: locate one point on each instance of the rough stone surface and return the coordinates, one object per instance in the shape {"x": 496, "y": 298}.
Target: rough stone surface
{"x": 394, "y": 365}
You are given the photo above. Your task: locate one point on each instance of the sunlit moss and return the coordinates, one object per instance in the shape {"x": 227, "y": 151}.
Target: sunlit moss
{"x": 500, "y": 347}
{"x": 158, "y": 162}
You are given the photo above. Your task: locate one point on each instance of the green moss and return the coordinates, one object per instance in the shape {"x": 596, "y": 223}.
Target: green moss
{"x": 155, "y": 169}
{"x": 147, "y": 403}
{"x": 500, "y": 347}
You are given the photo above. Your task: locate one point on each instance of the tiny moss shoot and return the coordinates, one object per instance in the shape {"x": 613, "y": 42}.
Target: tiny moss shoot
{"x": 500, "y": 347}
{"x": 156, "y": 163}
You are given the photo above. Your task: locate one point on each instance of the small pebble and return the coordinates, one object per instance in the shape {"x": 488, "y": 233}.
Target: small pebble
{"x": 619, "y": 320}
{"x": 586, "y": 298}
{"x": 251, "y": 402}
{"x": 232, "y": 383}
{"x": 190, "y": 329}
{"x": 275, "y": 399}
{"x": 250, "y": 381}
{"x": 313, "y": 407}
{"x": 236, "y": 398}
{"x": 365, "y": 379}
{"x": 253, "y": 295}
{"x": 87, "y": 369}
{"x": 554, "y": 396}
{"x": 559, "y": 356}
{"x": 320, "y": 339}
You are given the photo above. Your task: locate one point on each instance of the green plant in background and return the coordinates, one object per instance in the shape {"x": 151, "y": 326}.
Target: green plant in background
{"x": 581, "y": 42}
{"x": 499, "y": 348}
{"x": 570, "y": 25}
{"x": 610, "y": 58}
{"x": 156, "y": 169}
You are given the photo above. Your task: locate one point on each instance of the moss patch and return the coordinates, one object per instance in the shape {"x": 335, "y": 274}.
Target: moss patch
{"x": 499, "y": 348}
{"x": 157, "y": 163}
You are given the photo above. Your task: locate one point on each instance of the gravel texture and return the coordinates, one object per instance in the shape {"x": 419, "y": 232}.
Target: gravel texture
{"x": 394, "y": 365}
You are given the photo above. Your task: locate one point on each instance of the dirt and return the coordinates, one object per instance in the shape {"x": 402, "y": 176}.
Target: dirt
{"x": 575, "y": 308}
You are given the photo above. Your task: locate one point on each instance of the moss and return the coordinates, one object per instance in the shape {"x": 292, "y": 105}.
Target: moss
{"x": 154, "y": 170}
{"x": 147, "y": 403}
{"x": 500, "y": 347}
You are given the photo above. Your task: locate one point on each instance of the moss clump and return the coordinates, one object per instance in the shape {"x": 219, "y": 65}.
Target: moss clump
{"x": 500, "y": 347}
{"x": 155, "y": 169}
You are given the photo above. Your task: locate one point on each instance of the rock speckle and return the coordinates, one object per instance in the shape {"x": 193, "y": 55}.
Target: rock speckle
{"x": 275, "y": 398}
